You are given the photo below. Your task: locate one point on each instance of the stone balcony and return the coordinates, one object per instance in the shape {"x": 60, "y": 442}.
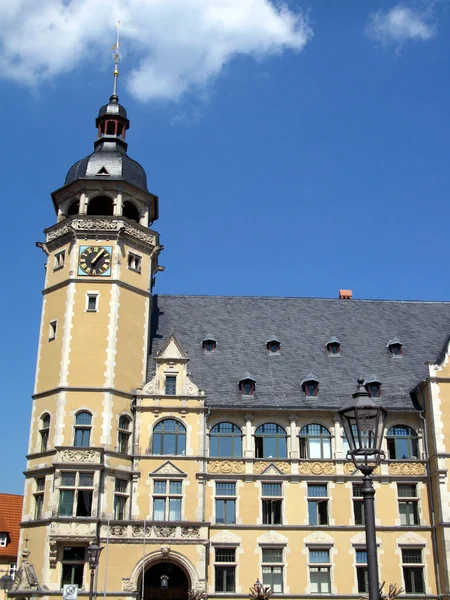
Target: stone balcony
{"x": 72, "y": 529}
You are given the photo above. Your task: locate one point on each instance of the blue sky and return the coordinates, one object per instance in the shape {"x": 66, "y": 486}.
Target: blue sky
{"x": 295, "y": 150}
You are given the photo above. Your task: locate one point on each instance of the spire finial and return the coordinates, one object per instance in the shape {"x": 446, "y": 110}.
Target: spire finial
{"x": 116, "y": 58}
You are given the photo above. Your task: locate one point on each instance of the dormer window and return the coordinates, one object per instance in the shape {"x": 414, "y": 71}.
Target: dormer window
{"x": 247, "y": 385}
{"x": 395, "y": 347}
{"x": 209, "y": 343}
{"x": 310, "y": 386}
{"x": 333, "y": 346}
{"x": 273, "y": 345}
{"x": 373, "y": 386}
{"x": 3, "y": 540}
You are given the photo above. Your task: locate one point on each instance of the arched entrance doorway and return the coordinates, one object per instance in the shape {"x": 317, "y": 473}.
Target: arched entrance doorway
{"x": 177, "y": 582}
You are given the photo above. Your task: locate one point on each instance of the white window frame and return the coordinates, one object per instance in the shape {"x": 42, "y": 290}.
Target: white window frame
{"x": 167, "y": 496}
{"x": 233, "y": 564}
{"x": 76, "y": 488}
{"x": 408, "y": 500}
{"x": 420, "y": 565}
{"x": 280, "y": 564}
{"x": 120, "y": 494}
{"x": 219, "y": 496}
{"x": 89, "y": 295}
{"x": 3, "y": 540}
{"x": 325, "y": 566}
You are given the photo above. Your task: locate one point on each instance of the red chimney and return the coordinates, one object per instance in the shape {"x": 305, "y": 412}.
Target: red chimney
{"x": 345, "y": 294}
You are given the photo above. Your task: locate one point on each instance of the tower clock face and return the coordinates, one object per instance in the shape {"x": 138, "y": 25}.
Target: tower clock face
{"x": 95, "y": 260}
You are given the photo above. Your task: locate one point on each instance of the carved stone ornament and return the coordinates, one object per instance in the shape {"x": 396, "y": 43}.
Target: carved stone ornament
{"x": 118, "y": 530}
{"x": 138, "y": 531}
{"x": 63, "y": 229}
{"x": 128, "y": 585}
{"x": 90, "y": 224}
{"x": 53, "y": 554}
{"x": 152, "y": 386}
{"x": 271, "y": 470}
{"x": 319, "y": 539}
{"x": 191, "y": 388}
{"x": 168, "y": 468}
{"x": 272, "y": 537}
{"x": 225, "y": 537}
{"x": 143, "y": 236}
{"x": 406, "y": 469}
{"x": 411, "y": 539}
{"x": 82, "y": 456}
{"x": 165, "y": 552}
{"x": 226, "y": 466}
{"x": 316, "y": 468}
{"x": 283, "y": 467}
{"x": 190, "y": 532}
{"x": 166, "y": 532}
{"x": 350, "y": 469}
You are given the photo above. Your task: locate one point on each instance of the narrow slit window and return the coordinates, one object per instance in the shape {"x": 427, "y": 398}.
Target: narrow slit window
{"x": 60, "y": 258}
{"x": 92, "y": 303}
{"x": 52, "y": 330}
{"x": 134, "y": 262}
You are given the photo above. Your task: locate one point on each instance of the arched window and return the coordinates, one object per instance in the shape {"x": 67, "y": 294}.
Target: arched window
{"x": 315, "y": 442}
{"x": 74, "y": 208}
{"x": 169, "y": 437}
{"x": 44, "y": 431}
{"x": 130, "y": 211}
{"x": 124, "y": 434}
{"x": 225, "y": 441}
{"x": 100, "y": 205}
{"x": 270, "y": 441}
{"x": 402, "y": 443}
{"x": 82, "y": 436}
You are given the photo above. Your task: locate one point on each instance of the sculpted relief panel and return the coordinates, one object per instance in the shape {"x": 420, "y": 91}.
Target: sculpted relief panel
{"x": 227, "y": 466}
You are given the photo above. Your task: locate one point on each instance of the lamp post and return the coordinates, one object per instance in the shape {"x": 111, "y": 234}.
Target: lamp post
{"x": 364, "y": 421}
{"x": 93, "y": 552}
{"x": 6, "y": 582}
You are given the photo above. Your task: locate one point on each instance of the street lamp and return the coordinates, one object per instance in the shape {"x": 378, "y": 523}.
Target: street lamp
{"x": 164, "y": 585}
{"x": 93, "y": 552}
{"x": 364, "y": 421}
{"x": 6, "y": 582}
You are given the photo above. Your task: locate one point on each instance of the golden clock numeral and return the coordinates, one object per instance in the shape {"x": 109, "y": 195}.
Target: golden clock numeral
{"x": 94, "y": 272}
{"x": 88, "y": 270}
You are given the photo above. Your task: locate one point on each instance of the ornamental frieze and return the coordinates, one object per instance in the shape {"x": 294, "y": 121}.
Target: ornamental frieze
{"x": 143, "y": 236}
{"x": 350, "y": 469}
{"x": 89, "y": 224}
{"x": 164, "y": 532}
{"x": 283, "y": 467}
{"x": 58, "y": 232}
{"x": 190, "y": 532}
{"x": 118, "y": 530}
{"x": 138, "y": 531}
{"x": 227, "y": 466}
{"x": 316, "y": 468}
{"x": 80, "y": 456}
{"x": 406, "y": 469}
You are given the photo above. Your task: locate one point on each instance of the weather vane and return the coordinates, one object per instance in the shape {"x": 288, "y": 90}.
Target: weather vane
{"x": 116, "y": 58}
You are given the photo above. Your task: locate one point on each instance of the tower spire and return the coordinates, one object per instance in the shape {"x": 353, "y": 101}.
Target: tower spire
{"x": 116, "y": 58}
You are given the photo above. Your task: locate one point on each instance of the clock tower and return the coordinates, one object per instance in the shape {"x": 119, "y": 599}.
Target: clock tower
{"x": 102, "y": 257}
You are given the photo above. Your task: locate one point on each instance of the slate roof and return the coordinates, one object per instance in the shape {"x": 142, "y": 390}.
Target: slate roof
{"x": 303, "y": 325}
{"x": 10, "y": 517}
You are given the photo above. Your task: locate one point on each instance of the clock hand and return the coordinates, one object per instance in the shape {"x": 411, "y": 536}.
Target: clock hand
{"x": 97, "y": 257}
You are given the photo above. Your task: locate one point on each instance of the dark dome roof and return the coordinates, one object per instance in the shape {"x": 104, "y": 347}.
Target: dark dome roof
{"x": 109, "y": 156}
{"x": 113, "y": 108}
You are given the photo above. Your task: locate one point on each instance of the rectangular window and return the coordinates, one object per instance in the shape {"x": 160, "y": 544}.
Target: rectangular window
{"x": 362, "y": 575}
{"x": 226, "y": 505}
{"x": 319, "y": 571}
{"x": 134, "y": 262}
{"x": 52, "y": 330}
{"x": 60, "y": 259}
{"x": 225, "y": 575}
{"x": 73, "y": 560}
{"x": 408, "y": 504}
{"x": 171, "y": 385}
{"x": 272, "y": 569}
{"x": 39, "y": 497}
{"x": 167, "y": 496}
{"x": 271, "y": 505}
{"x": 3, "y": 540}
{"x": 358, "y": 504}
{"x": 317, "y": 504}
{"x": 120, "y": 499}
{"x": 76, "y": 493}
{"x": 91, "y": 302}
{"x": 413, "y": 575}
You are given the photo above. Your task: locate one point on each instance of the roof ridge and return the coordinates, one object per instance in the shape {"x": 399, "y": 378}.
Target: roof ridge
{"x": 353, "y": 300}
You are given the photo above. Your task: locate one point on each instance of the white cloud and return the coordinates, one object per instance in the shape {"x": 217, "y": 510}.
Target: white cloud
{"x": 400, "y": 24}
{"x": 180, "y": 45}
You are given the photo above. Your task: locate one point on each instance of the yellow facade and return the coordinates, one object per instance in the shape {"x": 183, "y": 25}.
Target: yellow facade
{"x": 98, "y": 467}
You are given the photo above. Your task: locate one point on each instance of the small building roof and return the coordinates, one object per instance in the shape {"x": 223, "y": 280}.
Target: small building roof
{"x": 10, "y": 517}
